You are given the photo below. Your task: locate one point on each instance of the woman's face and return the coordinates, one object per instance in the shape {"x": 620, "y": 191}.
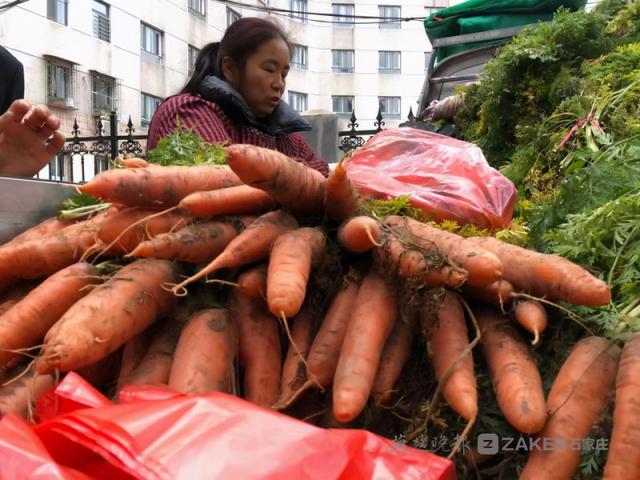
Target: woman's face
{"x": 263, "y": 80}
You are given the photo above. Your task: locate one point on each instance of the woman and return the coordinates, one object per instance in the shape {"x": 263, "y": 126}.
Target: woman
{"x": 235, "y": 94}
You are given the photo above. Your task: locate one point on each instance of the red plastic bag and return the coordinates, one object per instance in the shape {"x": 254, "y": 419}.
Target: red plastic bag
{"x": 22, "y": 454}
{"x": 158, "y": 434}
{"x": 447, "y": 178}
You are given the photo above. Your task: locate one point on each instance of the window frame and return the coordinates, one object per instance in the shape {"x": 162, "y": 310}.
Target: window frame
{"x": 144, "y": 121}
{"x": 52, "y": 11}
{"x": 95, "y": 77}
{"x": 299, "y": 6}
{"x": 343, "y": 97}
{"x": 158, "y": 57}
{"x": 305, "y": 64}
{"x": 390, "y": 70}
{"x": 302, "y": 96}
{"x": 53, "y": 99}
{"x": 95, "y": 18}
{"x": 389, "y": 19}
{"x": 344, "y": 21}
{"x": 200, "y": 12}
{"x": 192, "y": 55}
{"x": 335, "y": 68}
{"x": 386, "y": 114}
{"x": 231, "y": 13}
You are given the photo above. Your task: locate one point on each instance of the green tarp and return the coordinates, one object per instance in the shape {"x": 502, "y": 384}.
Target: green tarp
{"x": 476, "y": 16}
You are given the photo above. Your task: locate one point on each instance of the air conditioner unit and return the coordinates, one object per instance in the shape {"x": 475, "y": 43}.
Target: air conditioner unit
{"x": 69, "y": 102}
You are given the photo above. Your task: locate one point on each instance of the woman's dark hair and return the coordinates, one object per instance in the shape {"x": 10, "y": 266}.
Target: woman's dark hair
{"x": 240, "y": 40}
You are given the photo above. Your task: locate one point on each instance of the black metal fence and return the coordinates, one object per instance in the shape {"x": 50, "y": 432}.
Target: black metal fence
{"x": 354, "y": 138}
{"x": 73, "y": 163}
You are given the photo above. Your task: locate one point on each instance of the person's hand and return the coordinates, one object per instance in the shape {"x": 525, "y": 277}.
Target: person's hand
{"x": 28, "y": 139}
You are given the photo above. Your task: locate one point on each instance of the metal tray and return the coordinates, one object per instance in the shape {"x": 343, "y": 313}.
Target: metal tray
{"x": 24, "y": 202}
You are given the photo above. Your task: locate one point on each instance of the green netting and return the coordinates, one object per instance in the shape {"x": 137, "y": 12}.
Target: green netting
{"x": 476, "y": 16}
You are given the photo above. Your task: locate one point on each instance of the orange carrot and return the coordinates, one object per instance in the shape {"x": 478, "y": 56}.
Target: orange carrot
{"x": 115, "y": 230}
{"x": 515, "y": 376}
{"x": 226, "y": 201}
{"x": 205, "y": 357}
{"x": 373, "y": 317}
{"x": 532, "y": 316}
{"x": 155, "y": 366}
{"x": 449, "y": 339}
{"x": 397, "y": 350}
{"x": 19, "y": 396}
{"x": 341, "y": 196}
{"x": 324, "y": 353}
{"x": 259, "y": 349}
{"x": 50, "y": 225}
{"x": 253, "y": 282}
{"x": 25, "y": 324}
{"x": 132, "y": 353}
{"x": 288, "y": 182}
{"x": 549, "y": 276}
{"x": 499, "y": 293}
{"x": 252, "y": 245}
{"x": 195, "y": 243}
{"x": 292, "y": 256}
{"x": 108, "y": 316}
{"x": 415, "y": 266}
{"x": 156, "y": 186}
{"x": 483, "y": 266}
{"x": 360, "y": 234}
{"x": 13, "y": 295}
{"x": 134, "y": 163}
{"x": 41, "y": 257}
{"x": 294, "y": 371}
{"x": 579, "y": 394}
{"x": 623, "y": 461}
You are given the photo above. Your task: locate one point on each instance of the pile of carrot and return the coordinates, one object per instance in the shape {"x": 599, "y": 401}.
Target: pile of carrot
{"x": 261, "y": 280}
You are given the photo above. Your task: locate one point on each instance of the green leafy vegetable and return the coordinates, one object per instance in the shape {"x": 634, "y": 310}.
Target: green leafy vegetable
{"x": 185, "y": 147}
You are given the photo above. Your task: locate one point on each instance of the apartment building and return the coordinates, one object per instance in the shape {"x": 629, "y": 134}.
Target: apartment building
{"x": 85, "y": 58}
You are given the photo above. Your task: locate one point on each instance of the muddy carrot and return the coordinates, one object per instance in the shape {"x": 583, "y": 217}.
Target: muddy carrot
{"x": 373, "y": 316}
{"x": 579, "y": 394}
{"x": 227, "y": 201}
{"x": 289, "y": 183}
{"x": 292, "y": 257}
{"x": 515, "y": 376}
{"x": 157, "y": 187}
{"x": 109, "y": 315}
{"x": 259, "y": 349}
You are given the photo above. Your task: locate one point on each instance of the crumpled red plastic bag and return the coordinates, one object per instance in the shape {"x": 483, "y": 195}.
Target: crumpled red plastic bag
{"x": 156, "y": 433}
{"x": 447, "y": 178}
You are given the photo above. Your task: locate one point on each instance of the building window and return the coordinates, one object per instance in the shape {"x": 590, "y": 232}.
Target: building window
{"x": 149, "y": 106}
{"x": 199, "y": 7}
{"x": 299, "y": 9}
{"x": 427, "y": 60}
{"x": 298, "y": 101}
{"x": 343, "y": 14}
{"x": 432, "y": 7}
{"x": 299, "y": 57}
{"x": 390, "y": 16}
{"x": 232, "y": 16}
{"x": 389, "y": 62}
{"x": 389, "y": 106}
{"x": 60, "y": 84}
{"x": 342, "y": 61}
{"x": 151, "y": 41}
{"x": 101, "y": 21}
{"x": 103, "y": 93}
{"x": 57, "y": 10}
{"x": 342, "y": 104}
{"x": 193, "y": 55}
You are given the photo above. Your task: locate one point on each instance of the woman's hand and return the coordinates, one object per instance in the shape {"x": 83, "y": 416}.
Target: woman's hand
{"x": 29, "y": 137}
